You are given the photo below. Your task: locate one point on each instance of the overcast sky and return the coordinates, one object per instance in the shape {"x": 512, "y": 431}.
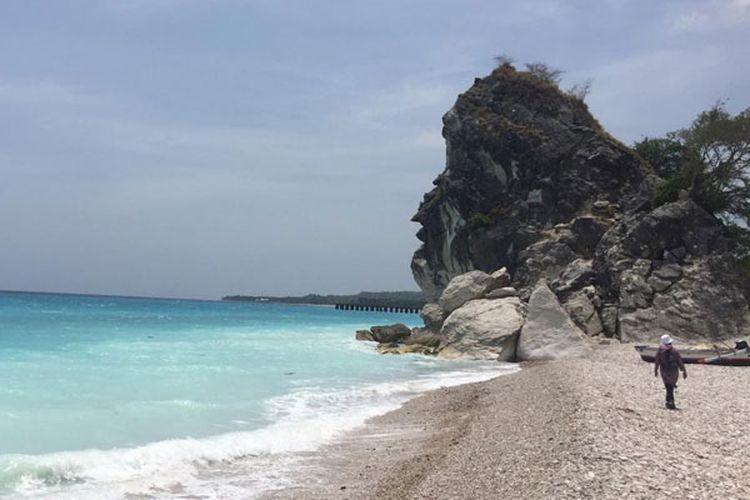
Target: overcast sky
{"x": 196, "y": 148}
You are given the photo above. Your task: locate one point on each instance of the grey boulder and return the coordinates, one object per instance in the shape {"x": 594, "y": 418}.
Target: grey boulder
{"x": 583, "y": 313}
{"x": 390, "y": 333}
{"x": 365, "y": 335}
{"x": 463, "y": 288}
{"x": 433, "y": 316}
{"x": 421, "y": 336}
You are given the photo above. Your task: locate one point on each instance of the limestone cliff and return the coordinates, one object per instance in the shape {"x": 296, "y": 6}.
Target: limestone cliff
{"x": 534, "y": 184}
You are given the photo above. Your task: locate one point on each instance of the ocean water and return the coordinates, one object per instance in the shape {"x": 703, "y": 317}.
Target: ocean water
{"x": 111, "y": 397}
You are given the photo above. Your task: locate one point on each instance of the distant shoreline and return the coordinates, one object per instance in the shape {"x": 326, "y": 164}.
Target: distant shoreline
{"x": 410, "y": 299}
{"x": 389, "y": 298}
{"x": 104, "y": 295}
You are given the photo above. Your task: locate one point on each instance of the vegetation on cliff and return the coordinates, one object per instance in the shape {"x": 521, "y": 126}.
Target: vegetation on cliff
{"x": 710, "y": 160}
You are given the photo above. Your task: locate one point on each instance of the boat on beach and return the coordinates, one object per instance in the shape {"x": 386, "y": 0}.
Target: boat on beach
{"x": 727, "y": 357}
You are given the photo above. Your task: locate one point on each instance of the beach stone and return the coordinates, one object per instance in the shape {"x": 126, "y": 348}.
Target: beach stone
{"x": 549, "y": 333}
{"x": 433, "y": 316}
{"x": 365, "y": 335}
{"x": 483, "y": 329}
{"x": 390, "y": 333}
{"x": 501, "y": 293}
{"x": 463, "y": 288}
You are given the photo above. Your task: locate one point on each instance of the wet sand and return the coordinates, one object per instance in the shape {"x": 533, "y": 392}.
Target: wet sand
{"x": 588, "y": 428}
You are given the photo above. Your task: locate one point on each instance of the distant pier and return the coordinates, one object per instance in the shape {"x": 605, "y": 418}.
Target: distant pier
{"x": 378, "y": 308}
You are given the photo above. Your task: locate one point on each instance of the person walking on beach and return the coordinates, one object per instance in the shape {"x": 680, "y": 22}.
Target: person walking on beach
{"x": 669, "y": 361}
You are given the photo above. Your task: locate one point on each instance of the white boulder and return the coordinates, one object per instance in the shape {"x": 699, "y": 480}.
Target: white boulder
{"x": 483, "y": 329}
{"x": 549, "y": 333}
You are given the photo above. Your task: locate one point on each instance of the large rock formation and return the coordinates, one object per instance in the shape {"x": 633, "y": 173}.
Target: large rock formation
{"x": 521, "y": 157}
{"x": 672, "y": 270}
{"x": 534, "y": 184}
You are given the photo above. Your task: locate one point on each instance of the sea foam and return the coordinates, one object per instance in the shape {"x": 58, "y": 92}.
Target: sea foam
{"x": 229, "y": 465}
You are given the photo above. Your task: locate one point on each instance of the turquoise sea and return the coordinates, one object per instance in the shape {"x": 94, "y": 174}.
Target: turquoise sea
{"x": 112, "y": 397}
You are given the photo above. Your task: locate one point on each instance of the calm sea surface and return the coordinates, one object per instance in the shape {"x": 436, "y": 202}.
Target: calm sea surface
{"x": 108, "y": 397}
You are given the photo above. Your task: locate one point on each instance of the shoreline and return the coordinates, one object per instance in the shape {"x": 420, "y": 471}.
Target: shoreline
{"x": 585, "y": 428}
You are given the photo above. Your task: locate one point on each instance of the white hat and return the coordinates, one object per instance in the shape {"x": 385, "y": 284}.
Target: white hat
{"x": 666, "y": 339}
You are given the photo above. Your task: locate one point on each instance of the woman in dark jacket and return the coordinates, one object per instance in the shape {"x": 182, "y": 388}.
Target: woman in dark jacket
{"x": 669, "y": 361}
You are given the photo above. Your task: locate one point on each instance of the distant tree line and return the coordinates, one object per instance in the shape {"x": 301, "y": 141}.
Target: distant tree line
{"x": 404, "y": 299}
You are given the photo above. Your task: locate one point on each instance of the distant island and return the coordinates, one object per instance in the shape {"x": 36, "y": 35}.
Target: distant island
{"x": 387, "y": 299}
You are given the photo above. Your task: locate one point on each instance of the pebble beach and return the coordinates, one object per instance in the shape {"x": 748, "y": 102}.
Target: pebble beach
{"x": 583, "y": 428}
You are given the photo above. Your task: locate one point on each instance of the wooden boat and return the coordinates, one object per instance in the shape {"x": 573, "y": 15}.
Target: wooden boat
{"x": 728, "y": 357}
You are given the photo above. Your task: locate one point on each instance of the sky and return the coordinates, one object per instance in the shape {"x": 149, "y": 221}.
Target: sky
{"x": 199, "y": 148}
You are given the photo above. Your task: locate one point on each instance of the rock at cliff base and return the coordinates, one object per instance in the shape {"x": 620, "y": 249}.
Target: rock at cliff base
{"x": 483, "y": 329}
{"x": 424, "y": 337}
{"x": 583, "y": 313}
{"x": 549, "y": 333}
{"x": 390, "y": 333}
{"x": 365, "y": 335}
{"x": 608, "y": 316}
{"x": 396, "y": 348}
{"x": 463, "y": 288}
{"x": 433, "y": 316}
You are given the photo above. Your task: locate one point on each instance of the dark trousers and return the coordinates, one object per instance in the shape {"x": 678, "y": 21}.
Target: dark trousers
{"x": 670, "y": 393}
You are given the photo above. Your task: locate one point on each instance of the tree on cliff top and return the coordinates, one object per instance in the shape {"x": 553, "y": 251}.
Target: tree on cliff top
{"x": 710, "y": 159}
{"x": 546, "y": 73}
